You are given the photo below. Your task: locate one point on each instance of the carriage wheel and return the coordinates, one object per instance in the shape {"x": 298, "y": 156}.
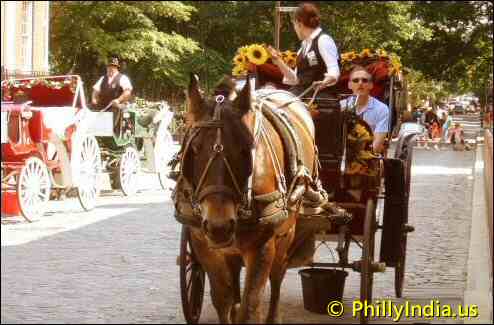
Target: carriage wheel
{"x": 192, "y": 278}
{"x": 366, "y": 272}
{"x": 33, "y": 188}
{"x": 163, "y": 153}
{"x": 128, "y": 172}
{"x": 400, "y": 265}
{"x": 90, "y": 164}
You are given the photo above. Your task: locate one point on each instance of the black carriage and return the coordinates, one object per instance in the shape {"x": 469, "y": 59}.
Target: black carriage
{"x": 386, "y": 180}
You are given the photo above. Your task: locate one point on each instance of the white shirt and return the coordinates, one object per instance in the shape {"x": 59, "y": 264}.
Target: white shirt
{"x": 329, "y": 53}
{"x": 124, "y": 83}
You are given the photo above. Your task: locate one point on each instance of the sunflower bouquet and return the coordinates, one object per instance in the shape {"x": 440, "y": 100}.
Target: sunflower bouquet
{"x": 368, "y": 57}
{"x": 249, "y": 56}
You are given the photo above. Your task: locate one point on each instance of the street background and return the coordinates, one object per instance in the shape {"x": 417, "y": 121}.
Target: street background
{"x": 117, "y": 263}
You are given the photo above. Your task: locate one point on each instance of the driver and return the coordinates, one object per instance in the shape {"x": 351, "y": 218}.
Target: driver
{"x": 317, "y": 59}
{"x": 370, "y": 109}
{"x": 113, "y": 88}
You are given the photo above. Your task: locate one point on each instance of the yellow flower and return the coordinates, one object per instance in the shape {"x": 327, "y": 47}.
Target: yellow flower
{"x": 291, "y": 62}
{"x": 366, "y": 53}
{"x": 243, "y": 50}
{"x": 382, "y": 53}
{"x": 239, "y": 70}
{"x": 355, "y": 167}
{"x": 289, "y": 55}
{"x": 257, "y": 54}
{"x": 348, "y": 56}
{"x": 240, "y": 59}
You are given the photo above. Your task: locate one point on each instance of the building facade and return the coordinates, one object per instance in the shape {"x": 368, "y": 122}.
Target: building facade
{"x": 25, "y": 37}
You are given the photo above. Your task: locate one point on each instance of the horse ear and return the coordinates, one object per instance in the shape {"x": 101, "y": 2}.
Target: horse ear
{"x": 194, "y": 98}
{"x": 243, "y": 101}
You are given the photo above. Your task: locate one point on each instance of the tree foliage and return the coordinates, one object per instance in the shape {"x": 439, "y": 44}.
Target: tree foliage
{"x": 448, "y": 44}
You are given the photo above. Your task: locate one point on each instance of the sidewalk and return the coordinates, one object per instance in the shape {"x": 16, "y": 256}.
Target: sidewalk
{"x": 479, "y": 269}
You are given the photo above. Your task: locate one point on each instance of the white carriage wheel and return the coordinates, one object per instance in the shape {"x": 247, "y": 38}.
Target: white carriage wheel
{"x": 89, "y": 168}
{"x": 128, "y": 172}
{"x": 33, "y": 188}
{"x": 163, "y": 153}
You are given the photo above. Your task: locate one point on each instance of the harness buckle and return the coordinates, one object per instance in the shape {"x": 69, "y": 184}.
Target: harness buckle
{"x": 218, "y": 147}
{"x": 220, "y": 99}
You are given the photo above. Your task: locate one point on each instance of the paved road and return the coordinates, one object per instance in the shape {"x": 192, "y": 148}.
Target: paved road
{"x": 116, "y": 264}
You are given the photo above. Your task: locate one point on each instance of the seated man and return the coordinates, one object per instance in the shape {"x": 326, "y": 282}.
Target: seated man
{"x": 370, "y": 109}
{"x": 113, "y": 88}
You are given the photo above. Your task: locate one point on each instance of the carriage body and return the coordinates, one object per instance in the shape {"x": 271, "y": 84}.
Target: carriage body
{"x": 358, "y": 193}
{"x": 141, "y": 136}
{"x": 45, "y": 148}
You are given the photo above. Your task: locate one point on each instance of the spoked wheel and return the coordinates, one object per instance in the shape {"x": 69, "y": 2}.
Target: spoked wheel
{"x": 163, "y": 153}
{"x": 33, "y": 188}
{"x": 192, "y": 278}
{"x": 366, "y": 271}
{"x": 400, "y": 265}
{"x": 128, "y": 171}
{"x": 89, "y": 167}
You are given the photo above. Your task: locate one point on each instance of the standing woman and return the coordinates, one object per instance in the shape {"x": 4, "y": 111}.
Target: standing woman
{"x": 317, "y": 58}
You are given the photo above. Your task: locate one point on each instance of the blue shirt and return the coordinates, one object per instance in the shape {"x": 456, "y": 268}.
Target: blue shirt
{"x": 376, "y": 114}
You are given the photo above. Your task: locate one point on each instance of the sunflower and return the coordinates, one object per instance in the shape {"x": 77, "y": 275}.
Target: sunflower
{"x": 366, "y": 53}
{"x": 291, "y": 62}
{"x": 349, "y": 56}
{"x": 257, "y": 54}
{"x": 289, "y": 55}
{"x": 239, "y": 70}
{"x": 382, "y": 53}
{"x": 243, "y": 50}
{"x": 240, "y": 59}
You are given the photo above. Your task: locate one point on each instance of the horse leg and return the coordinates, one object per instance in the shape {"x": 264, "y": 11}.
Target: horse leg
{"x": 278, "y": 272}
{"x": 235, "y": 264}
{"x": 220, "y": 278}
{"x": 258, "y": 262}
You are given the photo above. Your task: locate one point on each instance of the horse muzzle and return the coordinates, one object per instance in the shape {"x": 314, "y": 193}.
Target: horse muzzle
{"x": 219, "y": 235}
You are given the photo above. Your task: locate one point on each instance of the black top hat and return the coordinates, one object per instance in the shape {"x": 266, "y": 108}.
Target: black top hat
{"x": 114, "y": 61}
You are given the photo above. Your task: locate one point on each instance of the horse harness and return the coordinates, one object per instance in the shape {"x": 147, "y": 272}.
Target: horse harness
{"x": 276, "y": 204}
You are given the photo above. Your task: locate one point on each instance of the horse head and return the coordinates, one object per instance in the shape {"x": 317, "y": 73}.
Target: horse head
{"x": 217, "y": 159}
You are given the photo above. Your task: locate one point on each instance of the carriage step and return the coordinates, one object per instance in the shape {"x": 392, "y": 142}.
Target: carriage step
{"x": 408, "y": 228}
{"x": 376, "y": 267}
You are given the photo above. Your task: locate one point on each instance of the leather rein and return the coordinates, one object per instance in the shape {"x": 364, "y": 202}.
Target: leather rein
{"x": 217, "y": 151}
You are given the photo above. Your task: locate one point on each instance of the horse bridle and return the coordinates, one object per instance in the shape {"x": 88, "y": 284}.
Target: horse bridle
{"x": 217, "y": 151}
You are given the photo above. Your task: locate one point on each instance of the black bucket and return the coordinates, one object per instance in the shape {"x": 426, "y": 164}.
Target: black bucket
{"x": 320, "y": 286}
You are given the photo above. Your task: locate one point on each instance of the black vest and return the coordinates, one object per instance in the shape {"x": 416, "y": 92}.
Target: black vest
{"x": 111, "y": 91}
{"x": 311, "y": 66}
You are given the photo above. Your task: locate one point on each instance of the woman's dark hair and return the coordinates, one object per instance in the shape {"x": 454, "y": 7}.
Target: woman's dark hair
{"x": 308, "y": 14}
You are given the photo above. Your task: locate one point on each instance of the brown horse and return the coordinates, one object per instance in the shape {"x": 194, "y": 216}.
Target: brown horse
{"x": 228, "y": 142}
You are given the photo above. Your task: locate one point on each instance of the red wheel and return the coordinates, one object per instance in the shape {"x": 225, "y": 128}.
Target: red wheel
{"x": 366, "y": 272}
{"x": 192, "y": 278}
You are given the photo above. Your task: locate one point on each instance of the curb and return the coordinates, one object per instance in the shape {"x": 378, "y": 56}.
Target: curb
{"x": 478, "y": 290}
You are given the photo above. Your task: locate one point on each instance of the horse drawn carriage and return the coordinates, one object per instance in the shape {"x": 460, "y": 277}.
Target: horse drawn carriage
{"x": 45, "y": 147}
{"x": 351, "y": 182}
{"x": 142, "y": 134}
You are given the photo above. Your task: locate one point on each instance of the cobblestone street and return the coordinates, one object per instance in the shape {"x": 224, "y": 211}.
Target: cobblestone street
{"x": 117, "y": 263}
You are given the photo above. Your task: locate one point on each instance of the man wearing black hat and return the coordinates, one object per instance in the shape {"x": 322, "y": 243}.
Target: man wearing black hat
{"x": 113, "y": 88}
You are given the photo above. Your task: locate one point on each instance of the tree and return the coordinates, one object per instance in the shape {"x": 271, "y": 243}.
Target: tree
{"x": 86, "y": 33}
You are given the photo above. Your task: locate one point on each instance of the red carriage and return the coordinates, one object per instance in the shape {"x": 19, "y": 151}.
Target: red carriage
{"x": 45, "y": 147}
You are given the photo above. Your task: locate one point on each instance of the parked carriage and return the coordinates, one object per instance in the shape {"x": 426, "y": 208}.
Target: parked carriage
{"x": 45, "y": 148}
{"x": 142, "y": 135}
{"x": 385, "y": 179}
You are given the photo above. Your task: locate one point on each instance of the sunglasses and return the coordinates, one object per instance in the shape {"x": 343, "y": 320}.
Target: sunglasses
{"x": 357, "y": 80}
